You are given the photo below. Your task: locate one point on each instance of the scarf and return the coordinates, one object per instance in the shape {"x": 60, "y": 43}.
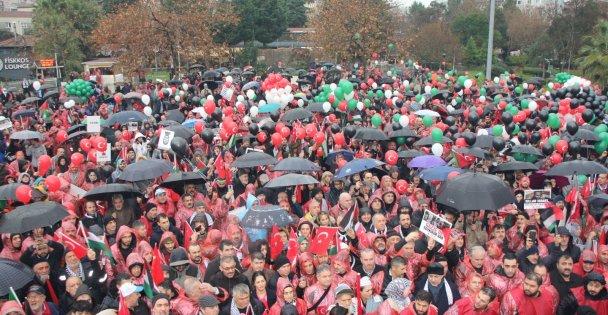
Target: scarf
{"x": 235, "y": 310}
{"x": 448, "y": 290}
{"x": 395, "y": 289}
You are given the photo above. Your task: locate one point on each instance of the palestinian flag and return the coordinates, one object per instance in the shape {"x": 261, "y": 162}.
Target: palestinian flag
{"x": 148, "y": 283}
{"x": 94, "y": 242}
{"x": 550, "y": 217}
{"x": 12, "y": 296}
{"x": 348, "y": 222}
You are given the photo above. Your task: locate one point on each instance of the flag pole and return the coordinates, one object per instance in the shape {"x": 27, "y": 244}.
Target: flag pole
{"x": 14, "y": 294}
{"x": 84, "y": 234}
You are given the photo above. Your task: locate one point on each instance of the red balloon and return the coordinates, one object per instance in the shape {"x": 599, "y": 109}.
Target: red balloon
{"x": 555, "y": 158}
{"x": 228, "y": 84}
{"x": 339, "y": 138}
{"x": 332, "y": 118}
{"x": 228, "y": 111}
{"x": 278, "y": 127}
{"x": 391, "y": 157}
{"x": 311, "y": 130}
{"x": 117, "y": 98}
{"x": 460, "y": 142}
{"x": 223, "y": 133}
{"x": 363, "y": 86}
{"x": 53, "y": 183}
{"x": 342, "y": 106}
{"x": 402, "y": 186}
{"x": 319, "y": 137}
{"x": 232, "y": 128}
{"x": 561, "y": 146}
{"x": 342, "y": 163}
{"x": 240, "y": 107}
{"x": 285, "y": 132}
{"x": 262, "y": 137}
{"x": 62, "y": 136}
{"x": 435, "y": 182}
{"x": 160, "y": 94}
{"x": 44, "y": 164}
{"x": 24, "y": 193}
{"x": 69, "y": 205}
{"x": 199, "y": 126}
{"x": 209, "y": 107}
{"x": 85, "y": 145}
{"x": 126, "y": 135}
{"x": 173, "y": 90}
{"x": 92, "y": 155}
{"x": 453, "y": 174}
{"x": 320, "y": 152}
{"x": 276, "y": 139}
{"x": 389, "y": 102}
{"x": 331, "y": 98}
{"x": 102, "y": 144}
{"x": 77, "y": 158}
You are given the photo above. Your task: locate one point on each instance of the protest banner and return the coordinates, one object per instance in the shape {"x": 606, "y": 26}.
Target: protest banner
{"x": 433, "y": 225}
{"x": 536, "y": 199}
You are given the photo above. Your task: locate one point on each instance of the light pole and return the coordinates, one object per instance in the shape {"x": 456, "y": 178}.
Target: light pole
{"x": 490, "y": 40}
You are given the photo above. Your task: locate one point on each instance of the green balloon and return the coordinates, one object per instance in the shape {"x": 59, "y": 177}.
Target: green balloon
{"x": 418, "y": 98}
{"x": 516, "y": 130}
{"x": 553, "y": 121}
{"x": 483, "y": 92}
{"x": 603, "y": 136}
{"x": 326, "y": 89}
{"x": 379, "y": 93}
{"x": 436, "y": 134}
{"x": 497, "y": 98}
{"x": 519, "y": 156}
{"x": 357, "y": 36}
{"x": 352, "y": 104}
{"x": 553, "y": 140}
{"x": 391, "y": 46}
{"x": 346, "y": 86}
{"x": 396, "y": 117}
{"x": 497, "y": 130}
{"x": 367, "y": 103}
{"x": 514, "y": 110}
{"x": 600, "y": 128}
{"x": 400, "y": 140}
{"x": 531, "y": 158}
{"x": 434, "y": 91}
{"x": 458, "y": 100}
{"x": 427, "y": 120}
{"x": 461, "y": 79}
{"x": 518, "y": 90}
{"x": 582, "y": 179}
{"x": 600, "y": 147}
{"x": 370, "y": 93}
{"x": 525, "y": 104}
{"x": 376, "y": 120}
{"x": 339, "y": 93}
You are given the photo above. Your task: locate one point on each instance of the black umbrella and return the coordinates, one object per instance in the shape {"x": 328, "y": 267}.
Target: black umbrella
{"x": 493, "y": 86}
{"x": 181, "y": 131}
{"x": 296, "y": 114}
{"x": 483, "y": 141}
{"x": 371, "y": 134}
{"x": 254, "y": 159}
{"x": 584, "y": 134}
{"x": 30, "y": 100}
{"x": 596, "y": 204}
{"x": 264, "y": 217}
{"x": 196, "y": 66}
{"x": 28, "y": 217}
{"x": 404, "y": 132}
{"x": 24, "y": 113}
{"x": 177, "y": 181}
{"x": 476, "y": 152}
{"x": 105, "y": 192}
{"x": 78, "y": 127}
{"x": 175, "y": 82}
{"x": 526, "y": 149}
{"x": 167, "y": 123}
{"x": 77, "y": 135}
{"x": 514, "y": 166}
{"x": 535, "y": 81}
{"x": 15, "y": 275}
{"x": 26, "y": 135}
{"x": 577, "y": 167}
{"x": 146, "y": 169}
{"x": 175, "y": 115}
{"x": 408, "y": 154}
{"x": 291, "y": 180}
{"x": 475, "y": 191}
{"x": 126, "y": 117}
{"x": 212, "y": 85}
{"x": 296, "y": 164}
{"x": 429, "y": 141}
{"x": 317, "y": 108}
{"x": 133, "y": 95}
{"x": 9, "y": 191}
{"x": 211, "y": 75}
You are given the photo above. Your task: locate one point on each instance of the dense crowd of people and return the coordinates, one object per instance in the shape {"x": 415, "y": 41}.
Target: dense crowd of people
{"x": 182, "y": 250}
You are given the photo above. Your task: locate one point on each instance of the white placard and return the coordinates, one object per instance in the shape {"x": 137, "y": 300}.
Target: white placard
{"x": 133, "y": 126}
{"x": 5, "y": 123}
{"x": 77, "y": 191}
{"x": 164, "y": 141}
{"x": 105, "y": 156}
{"x": 93, "y": 124}
{"x": 432, "y": 226}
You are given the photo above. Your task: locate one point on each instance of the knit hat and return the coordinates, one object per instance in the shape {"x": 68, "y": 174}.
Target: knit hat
{"x": 150, "y": 206}
{"x": 208, "y": 301}
{"x": 531, "y": 251}
{"x": 343, "y": 288}
{"x": 595, "y": 276}
{"x": 436, "y": 269}
{"x": 158, "y": 297}
{"x": 83, "y": 289}
{"x": 280, "y": 261}
{"x": 365, "y": 281}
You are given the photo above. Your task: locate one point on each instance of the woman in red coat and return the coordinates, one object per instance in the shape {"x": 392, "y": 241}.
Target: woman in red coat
{"x": 286, "y": 294}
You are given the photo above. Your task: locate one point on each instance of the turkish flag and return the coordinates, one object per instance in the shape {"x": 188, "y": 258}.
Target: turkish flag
{"x": 276, "y": 246}
{"x": 292, "y": 246}
{"x": 187, "y": 234}
{"x": 78, "y": 249}
{"x": 156, "y": 270}
{"x": 463, "y": 160}
{"x": 322, "y": 240}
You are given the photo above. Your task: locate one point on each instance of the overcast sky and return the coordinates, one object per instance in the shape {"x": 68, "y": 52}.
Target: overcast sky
{"x": 407, "y": 3}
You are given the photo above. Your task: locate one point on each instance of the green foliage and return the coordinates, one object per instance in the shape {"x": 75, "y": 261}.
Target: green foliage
{"x": 594, "y": 55}
{"x": 537, "y": 72}
{"x": 6, "y": 34}
{"x": 473, "y": 26}
{"x": 295, "y": 12}
{"x": 108, "y": 6}
{"x": 63, "y": 27}
{"x": 248, "y": 55}
{"x": 261, "y": 20}
{"x": 472, "y": 55}
{"x": 520, "y": 60}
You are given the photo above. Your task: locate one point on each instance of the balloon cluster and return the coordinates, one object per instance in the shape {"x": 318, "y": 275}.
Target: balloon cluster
{"x": 340, "y": 96}
{"x": 80, "y": 88}
{"x": 277, "y": 89}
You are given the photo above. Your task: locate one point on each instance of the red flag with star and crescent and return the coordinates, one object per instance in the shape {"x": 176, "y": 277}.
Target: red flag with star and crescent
{"x": 292, "y": 247}
{"x": 322, "y": 240}
{"x": 276, "y": 245}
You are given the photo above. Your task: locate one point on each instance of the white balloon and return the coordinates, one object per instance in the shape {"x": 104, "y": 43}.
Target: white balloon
{"x": 482, "y": 132}
{"x": 262, "y": 102}
{"x": 533, "y": 94}
{"x": 148, "y": 111}
{"x": 505, "y": 135}
{"x": 72, "y": 103}
{"x": 36, "y": 85}
{"x": 184, "y": 86}
{"x": 360, "y": 105}
{"x": 427, "y": 89}
{"x": 533, "y": 105}
{"x": 66, "y": 104}
{"x": 388, "y": 93}
{"x": 468, "y": 83}
{"x": 374, "y": 85}
{"x": 250, "y": 94}
{"x": 551, "y": 85}
{"x": 446, "y": 76}
{"x": 229, "y": 79}
{"x": 482, "y": 98}
{"x": 450, "y": 108}
{"x": 406, "y": 82}
{"x": 300, "y": 102}
{"x": 454, "y": 102}
{"x": 525, "y": 85}
{"x": 496, "y": 80}
{"x": 422, "y": 100}
{"x": 240, "y": 98}
{"x": 333, "y": 86}
{"x": 246, "y": 119}
{"x": 515, "y": 140}
{"x": 145, "y": 99}
{"x": 326, "y": 106}
{"x": 437, "y": 149}
{"x": 177, "y": 98}
{"x": 210, "y": 98}
{"x": 288, "y": 89}
{"x": 461, "y": 92}
{"x": 349, "y": 96}
{"x": 253, "y": 111}
{"x": 568, "y": 117}
{"x": 389, "y": 73}
{"x": 404, "y": 120}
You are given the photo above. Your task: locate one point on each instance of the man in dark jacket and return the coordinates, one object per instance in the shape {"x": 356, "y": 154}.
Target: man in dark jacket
{"x": 242, "y": 302}
{"x": 562, "y": 278}
{"x": 228, "y": 278}
{"x": 49, "y": 251}
{"x": 162, "y": 225}
{"x": 562, "y": 245}
{"x": 181, "y": 266}
{"x": 592, "y": 294}
{"x": 444, "y": 292}
{"x": 226, "y": 250}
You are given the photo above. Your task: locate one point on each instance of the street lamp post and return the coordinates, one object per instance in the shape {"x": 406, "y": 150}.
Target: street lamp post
{"x": 490, "y": 40}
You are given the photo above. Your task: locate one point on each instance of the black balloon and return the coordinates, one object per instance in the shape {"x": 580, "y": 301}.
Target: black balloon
{"x": 522, "y": 137}
{"x": 409, "y": 141}
{"x": 587, "y": 115}
{"x": 547, "y": 148}
{"x": 507, "y": 118}
{"x": 572, "y": 127}
{"x": 450, "y": 120}
{"x": 543, "y": 115}
{"x": 275, "y": 115}
{"x": 498, "y": 143}
{"x": 269, "y": 127}
{"x": 254, "y": 129}
{"x": 469, "y": 137}
{"x": 399, "y": 103}
{"x": 574, "y": 103}
{"x": 208, "y": 136}
{"x": 574, "y": 147}
{"x": 453, "y": 129}
{"x": 396, "y": 126}
{"x": 349, "y": 131}
{"x": 335, "y": 128}
{"x": 473, "y": 118}
{"x": 217, "y": 114}
{"x": 510, "y": 128}
{"x": 535, "y": 137}
{"x": 179, "y": 145}
{"x": 530, "y": 124}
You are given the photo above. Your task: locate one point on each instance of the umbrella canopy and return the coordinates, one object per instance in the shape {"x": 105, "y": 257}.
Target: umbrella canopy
{"x": 269, "y": 108}
{"x": 331, "y": 156}
{"x": 296, "y": 164}
{"x": 475, "y": 191}
{"x": 126, "y": 117}
{"x": 370, "y": 134}
{"x": 175, "y": 82}
{"x": 254, "y": 159}
{"x": 190, "y": 123}
{"x": 438, "y": 173}
{"x": 75, "y": 128}
{"x": 426, "y": 161}
{"x": 24, "y": 113}
{"x": 408, "y": 154}
{"x": 177, "y": 181}
{"x": 146, "y": 169}
{"x": 181, "y": 131}
{"x": 291, "y": 180}
{"x": 251, "y": 85}
{"x": 476, "y": 152}
{"x": 514, "y": 166}
{"x": 30, "y": 100}
{"x": 296, "y": 114}
{"x": 167, "y": 123}
{"x": 133, "y": 95}
{"x": 596, "y": 204}
{"x": 483, "y": 141}
{"x": 526, "y": 149}
{"x": 28, "y": 217}
{"x": 429, "y": 141}
{"x": 584, "y": 134}
{"x": 404, "y": 132}
{"x": 427, "y": 112}
{"x": 175, "y": 115}
{"x": 317, "y": 108}
{"x": 264, "y": 217}
{"x": 15, "y": 275}
{"x": 577, "y": 167}
{"x": 77, "y": 135}
{"x": 357, "y": 166}
{"x": 106, "y": 192}
{"x": 26, "y": 135}
{"x": 9, "y": 191}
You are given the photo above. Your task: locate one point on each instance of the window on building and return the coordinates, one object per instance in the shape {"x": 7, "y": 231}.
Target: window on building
{"x": 25, "y": 25}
